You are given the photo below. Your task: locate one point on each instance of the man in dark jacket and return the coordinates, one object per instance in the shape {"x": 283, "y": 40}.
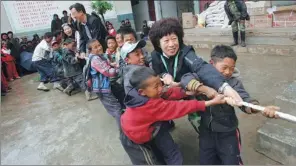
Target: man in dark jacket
{"x": 236, "y": 11}
{"x": 56, "y": 23}
{"x": 90, "y": 26}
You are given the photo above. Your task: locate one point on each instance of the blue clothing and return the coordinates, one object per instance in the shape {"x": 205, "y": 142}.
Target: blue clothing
{"x": 101, "y": 71}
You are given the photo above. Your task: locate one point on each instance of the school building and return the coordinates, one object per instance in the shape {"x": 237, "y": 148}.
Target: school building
{"x": 29, "y": 17}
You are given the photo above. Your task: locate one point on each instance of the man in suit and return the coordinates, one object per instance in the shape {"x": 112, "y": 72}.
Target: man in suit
{"x": 90, "y": 26}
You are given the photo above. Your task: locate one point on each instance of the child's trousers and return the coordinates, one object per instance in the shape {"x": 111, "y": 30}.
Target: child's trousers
{"x": 139, "y": 154}
{"x": 166, "y": 145}
{"x": 112, "y": 105}
{"x": 219, "y": 148}
{"x": 160, "y": 150}
{"x": 11, "y": 70}
{"x": 4, "y": 83}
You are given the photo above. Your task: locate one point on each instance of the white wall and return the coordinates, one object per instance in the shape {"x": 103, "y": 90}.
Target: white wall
{"x": 164, "y": 9}
{"x": 141, "y": 13}
{"x": 15, "y": 23}
{"x": 169, "y": 9}
{"x": 123, "y": 7}
{"x": 5, "y": 24}
{"x": 157, "y": 7}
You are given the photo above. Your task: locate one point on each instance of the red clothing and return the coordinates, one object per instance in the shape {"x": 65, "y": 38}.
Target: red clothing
{"x": 4, "y": 82}
{"x": 112, "y": 32}
{"x": 6, "y": 55}
{"x": 10, "y": 66}
{"x": 137, "y": 122}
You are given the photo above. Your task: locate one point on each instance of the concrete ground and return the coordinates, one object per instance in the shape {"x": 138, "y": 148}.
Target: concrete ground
{"x": 52, "y": 128}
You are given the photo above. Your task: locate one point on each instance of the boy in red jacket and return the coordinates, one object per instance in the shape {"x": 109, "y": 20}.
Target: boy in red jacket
{"x": 145, "y": 107}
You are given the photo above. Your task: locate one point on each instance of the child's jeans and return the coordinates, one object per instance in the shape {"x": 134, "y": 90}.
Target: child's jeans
{"x": 112, "y": 105}
{"x": 219, "y": 148}
{"x": 46, "y": 71}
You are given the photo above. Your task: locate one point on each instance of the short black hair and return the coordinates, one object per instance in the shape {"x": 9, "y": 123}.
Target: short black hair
{"x": 35, "y": 35}
{"x": 128, "y": 30}
{"x": 9, "y": 32}
{"x": 110, "y": 37}
{"x": 165, "y": 27}
{"x": 2, "y": 34}
{"x": 90, "y": 42}
{"x": 55, "y": 15}
{"x": 220, "y": 52}
{"x": 64, "y": 11}
{"x": 79, "y": 7}
{"x": 47, "y": 35}
{"x": 57, "y": 33}
{"x": 140, "y": 75}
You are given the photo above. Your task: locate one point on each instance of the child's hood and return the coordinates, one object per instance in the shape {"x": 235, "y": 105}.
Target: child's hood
{"x": 134, "y": 99}
{"x": 236, "y": 73}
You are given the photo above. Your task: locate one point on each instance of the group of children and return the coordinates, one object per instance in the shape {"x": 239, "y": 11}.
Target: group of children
{"x": 136, "y": 97}
{"x": 59, "y": 64}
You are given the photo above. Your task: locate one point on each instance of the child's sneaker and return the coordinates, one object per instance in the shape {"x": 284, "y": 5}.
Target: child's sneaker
{"x": 68, "y": 89}
{"x": 57, "y": 85}
{"x": 90, "y": 96}
{"x": 42, "y": 87}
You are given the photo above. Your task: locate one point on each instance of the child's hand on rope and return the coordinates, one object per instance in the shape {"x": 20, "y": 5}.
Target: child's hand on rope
{"x": 250, "y": 110}
{"x": 270, "y": 111}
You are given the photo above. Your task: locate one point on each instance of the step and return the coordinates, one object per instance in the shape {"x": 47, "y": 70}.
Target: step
{"x": 254, "y": 40}
{"x": 264, "y": 41}
{"x": 277, "y": 138}
{"x": 264, "y": 32}
{"x": 282, "y": 50}
{"x": 277, "y": 142}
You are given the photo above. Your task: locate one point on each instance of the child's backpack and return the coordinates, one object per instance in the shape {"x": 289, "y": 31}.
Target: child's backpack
{"x": 87, "y": 77}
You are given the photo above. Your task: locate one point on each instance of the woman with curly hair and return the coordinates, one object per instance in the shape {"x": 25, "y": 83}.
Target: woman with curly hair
{"x": 171, "y": 58}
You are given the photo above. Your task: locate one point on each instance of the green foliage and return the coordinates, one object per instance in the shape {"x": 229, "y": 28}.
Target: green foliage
{"x": 101, "y": 7}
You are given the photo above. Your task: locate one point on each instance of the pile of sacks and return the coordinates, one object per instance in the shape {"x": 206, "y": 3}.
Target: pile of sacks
{"x": 214, "y": 16}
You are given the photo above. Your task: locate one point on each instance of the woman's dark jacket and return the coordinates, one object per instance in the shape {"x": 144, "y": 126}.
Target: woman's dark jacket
{"x": 188, "y": 62}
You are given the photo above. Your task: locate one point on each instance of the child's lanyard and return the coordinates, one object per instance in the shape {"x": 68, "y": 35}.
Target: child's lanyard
{"x": 175, "y": 64}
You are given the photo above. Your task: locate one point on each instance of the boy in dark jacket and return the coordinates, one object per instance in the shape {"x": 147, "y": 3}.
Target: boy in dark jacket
{"x": 72, "y": 68}
{"x": 219, "y": 139}
{"x": 146, "y": 106}
{"x": 236, "y": 11}
{"x": 57, "y": 59}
